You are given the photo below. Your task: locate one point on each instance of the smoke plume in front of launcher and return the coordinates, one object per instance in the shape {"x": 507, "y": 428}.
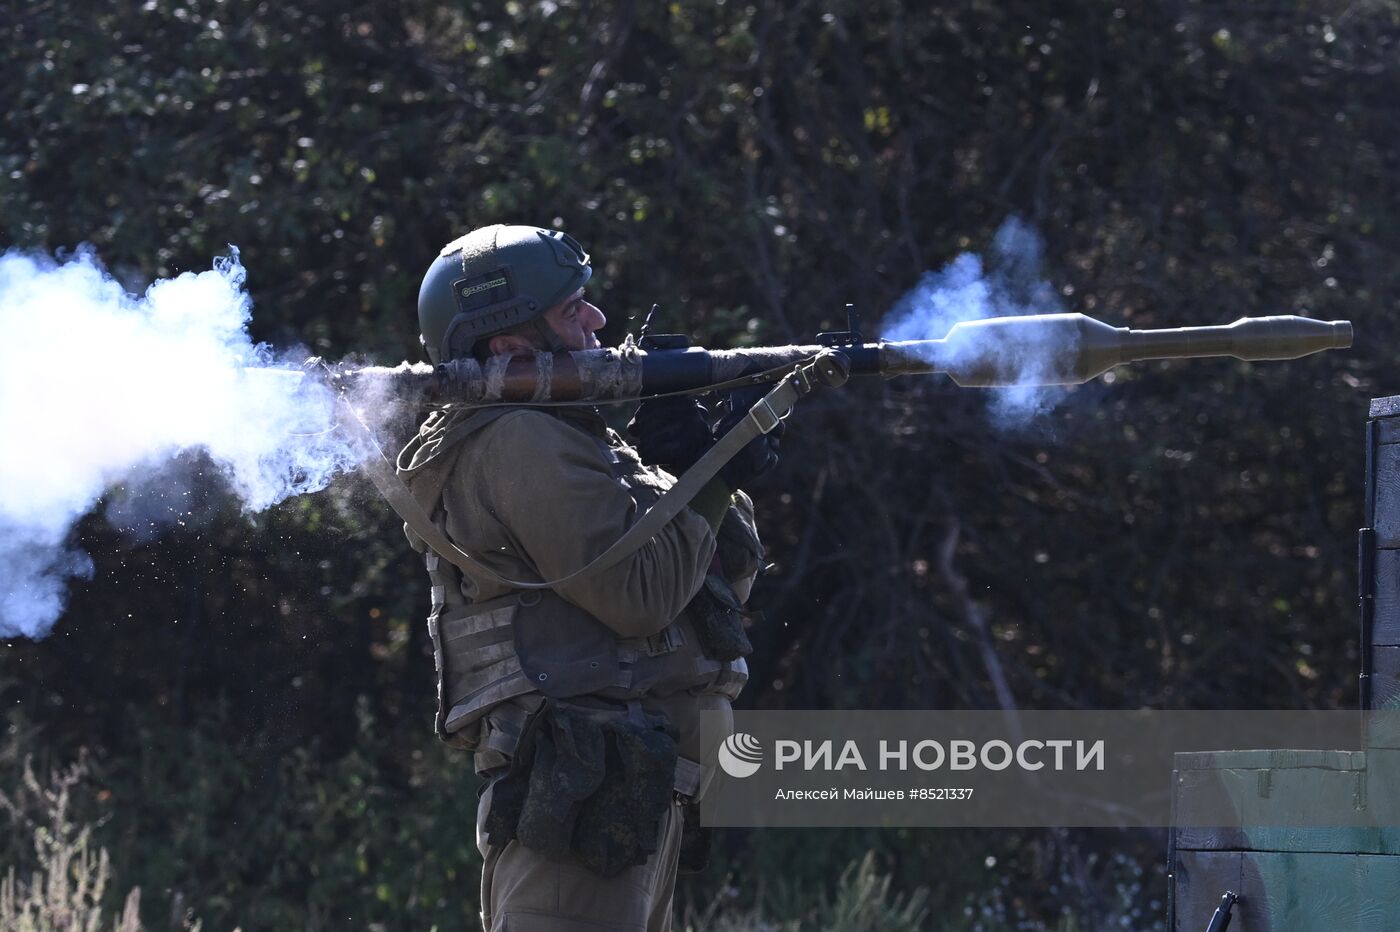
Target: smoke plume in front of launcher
{"x": 1007, "y": 285}
{"x": 99, "y": 387}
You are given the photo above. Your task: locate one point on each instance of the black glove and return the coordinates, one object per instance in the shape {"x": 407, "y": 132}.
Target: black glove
{"x": 671, "y": 432}
{"x": 760, "y": 454}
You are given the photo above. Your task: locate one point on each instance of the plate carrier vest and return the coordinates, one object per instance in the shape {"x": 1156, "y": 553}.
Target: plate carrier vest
{"x": 534, "y": 641}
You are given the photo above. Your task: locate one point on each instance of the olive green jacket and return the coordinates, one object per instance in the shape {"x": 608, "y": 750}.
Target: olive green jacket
{"x": 536, "y": 495}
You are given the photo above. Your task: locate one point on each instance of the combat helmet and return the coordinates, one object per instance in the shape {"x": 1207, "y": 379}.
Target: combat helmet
{"x": 493, "y": 279}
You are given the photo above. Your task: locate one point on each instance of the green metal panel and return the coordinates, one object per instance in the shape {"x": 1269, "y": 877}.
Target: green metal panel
{"x": 1284, "y": 891}
{"x": 1282, "y": 759}
{"x": 1301, "y": 892}
{"x": 1385, "y": 677}
{"x": 1386, "y": 629}
{"x": 1387, "y": 488}
{"x": 1199, "y": 879}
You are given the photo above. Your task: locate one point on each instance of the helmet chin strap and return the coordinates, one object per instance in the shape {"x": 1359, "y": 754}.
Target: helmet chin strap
{"x": 544, "y": 334}
{"x": 552, "y": 343}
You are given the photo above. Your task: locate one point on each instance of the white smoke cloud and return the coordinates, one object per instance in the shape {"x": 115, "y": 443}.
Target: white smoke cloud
{"x": 1007, "y": 285}
{"x": 99, "y": 387}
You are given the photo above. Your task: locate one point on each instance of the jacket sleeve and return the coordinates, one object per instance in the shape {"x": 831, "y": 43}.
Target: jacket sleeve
{"x": 552, "y": 488}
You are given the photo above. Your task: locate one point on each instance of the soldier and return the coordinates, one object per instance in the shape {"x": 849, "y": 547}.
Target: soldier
{"x": 580, "y": 701}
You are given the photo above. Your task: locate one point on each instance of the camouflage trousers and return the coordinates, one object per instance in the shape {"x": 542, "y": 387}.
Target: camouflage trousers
{"x": 522, "y": 891}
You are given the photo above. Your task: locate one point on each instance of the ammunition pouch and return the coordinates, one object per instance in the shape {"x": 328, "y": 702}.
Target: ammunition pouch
{"x": 588, "y": 783}
{"x": 718, "y": 619}
{"x": 738, "y": 547}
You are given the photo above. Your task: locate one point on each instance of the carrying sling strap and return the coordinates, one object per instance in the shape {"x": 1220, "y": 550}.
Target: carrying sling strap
{"x": 827, "y": 367}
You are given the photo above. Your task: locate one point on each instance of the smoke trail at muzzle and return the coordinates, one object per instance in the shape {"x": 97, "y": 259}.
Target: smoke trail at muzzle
{"x": 100, "y": 387}
{"x": 1007, "y": 284}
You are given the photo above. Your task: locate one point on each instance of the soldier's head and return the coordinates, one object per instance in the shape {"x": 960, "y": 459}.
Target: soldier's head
{"x": 507, "y": 289}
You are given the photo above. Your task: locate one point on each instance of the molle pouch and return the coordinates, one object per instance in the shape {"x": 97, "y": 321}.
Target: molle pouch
{"x": 559, "y": 762}
{"x": 591, "y": 785}
{"x": 564, "y": 651}
{"x": 510, "y": 789}
{"x": 739, "y": 548}
{"x": 718, "y": 619}
{"x": 569, "y": 767}
{"x": 619, "y": 826}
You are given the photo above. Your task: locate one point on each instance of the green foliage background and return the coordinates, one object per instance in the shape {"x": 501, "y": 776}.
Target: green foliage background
{"x": 255, "y": 688}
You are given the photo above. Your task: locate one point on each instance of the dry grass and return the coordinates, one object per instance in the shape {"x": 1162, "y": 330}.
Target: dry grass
{"x": 65, "y": 891}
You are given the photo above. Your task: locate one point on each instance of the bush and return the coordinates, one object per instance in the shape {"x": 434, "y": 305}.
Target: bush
{"x": 68, "y": 883}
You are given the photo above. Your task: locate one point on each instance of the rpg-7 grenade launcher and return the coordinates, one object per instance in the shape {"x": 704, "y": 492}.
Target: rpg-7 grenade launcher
{"x": 1040, "y": 349}
{"x": 1045, "y": 349}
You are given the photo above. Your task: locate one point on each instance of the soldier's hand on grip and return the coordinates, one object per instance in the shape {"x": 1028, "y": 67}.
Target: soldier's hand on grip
{"x": 671, "y": 432}
{"x": 760, "y": 454}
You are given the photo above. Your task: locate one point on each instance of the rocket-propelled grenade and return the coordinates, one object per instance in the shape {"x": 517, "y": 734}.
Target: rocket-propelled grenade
{"x": 1067, "y": 349}
{"x": 1040, "y": 349}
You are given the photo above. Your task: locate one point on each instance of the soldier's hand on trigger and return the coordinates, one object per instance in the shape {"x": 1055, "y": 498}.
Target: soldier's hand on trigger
{"x": 674, "y": 432}
{"x": 760, "y": 454}
{"x": 671, "y": 432}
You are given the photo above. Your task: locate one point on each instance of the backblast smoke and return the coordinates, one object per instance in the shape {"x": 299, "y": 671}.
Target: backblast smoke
{"x": 99, "y": 387}
{"x": 1008, "y": 284}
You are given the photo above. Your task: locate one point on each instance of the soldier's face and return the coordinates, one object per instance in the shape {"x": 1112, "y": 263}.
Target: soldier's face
{"x": 576, "y": 322}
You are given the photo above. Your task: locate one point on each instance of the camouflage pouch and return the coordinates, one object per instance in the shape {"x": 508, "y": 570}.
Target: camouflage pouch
{"x": 718, "y": 619}
{"x": 619, "y": 826}
{"x": 587, "y": 785}
{"x": 558, "y": 762}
